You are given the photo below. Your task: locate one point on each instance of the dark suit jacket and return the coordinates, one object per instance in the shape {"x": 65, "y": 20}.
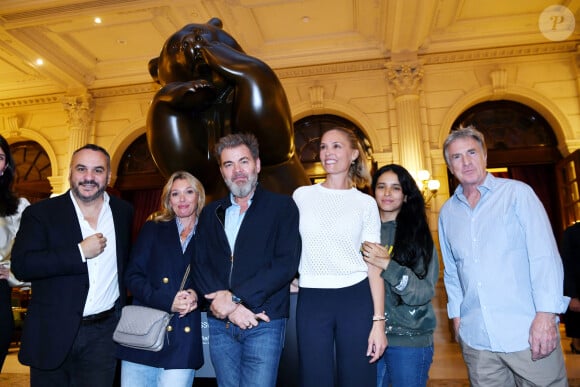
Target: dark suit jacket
{"x": 46, "y": 253}
{"x": 267, "y": 252}
{"x": 570, "y": 251}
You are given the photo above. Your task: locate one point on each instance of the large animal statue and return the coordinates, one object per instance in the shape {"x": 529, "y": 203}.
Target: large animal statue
{"x": 210, "y": 88}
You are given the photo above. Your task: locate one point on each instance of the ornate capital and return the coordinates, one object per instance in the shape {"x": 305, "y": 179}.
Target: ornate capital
{"x": 79, "y": 110}
{"x": 405, "y": 79}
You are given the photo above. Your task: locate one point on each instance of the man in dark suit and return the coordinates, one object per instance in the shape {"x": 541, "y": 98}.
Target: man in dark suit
{"x": 73, "y": 249}
{"x": 249, "y": 291}
{"x": 570, "y": 252}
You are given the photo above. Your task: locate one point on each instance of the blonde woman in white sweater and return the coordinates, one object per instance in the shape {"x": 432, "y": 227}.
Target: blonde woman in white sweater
{"x": 340, "y": 312}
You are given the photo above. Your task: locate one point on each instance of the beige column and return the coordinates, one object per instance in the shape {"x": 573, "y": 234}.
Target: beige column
{"x": 576, "y": 68}
{"x": 80, "y": 118}
{"x": 405, "y": 80}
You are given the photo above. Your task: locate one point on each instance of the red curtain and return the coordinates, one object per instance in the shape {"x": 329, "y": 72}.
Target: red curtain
{"x": 145, "y": 202}
{"x": 541, "y": 178}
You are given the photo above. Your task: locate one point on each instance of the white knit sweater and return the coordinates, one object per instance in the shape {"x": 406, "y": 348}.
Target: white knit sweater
{"x": 333, "y": 224}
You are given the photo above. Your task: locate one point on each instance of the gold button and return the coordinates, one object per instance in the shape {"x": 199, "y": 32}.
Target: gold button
{"x": 165, "y": 280}
{"x": 187, "y": 329}
{"x": 169, "y": 328}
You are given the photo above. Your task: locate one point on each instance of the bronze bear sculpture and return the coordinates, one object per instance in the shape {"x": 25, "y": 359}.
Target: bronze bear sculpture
{"x": 210, "y": 88}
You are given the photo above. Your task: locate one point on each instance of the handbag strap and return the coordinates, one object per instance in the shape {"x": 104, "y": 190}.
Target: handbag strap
{"x": 184, "y": 278}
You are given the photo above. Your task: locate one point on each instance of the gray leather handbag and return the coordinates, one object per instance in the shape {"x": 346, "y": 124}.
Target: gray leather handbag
{"x": 142, "y": 327}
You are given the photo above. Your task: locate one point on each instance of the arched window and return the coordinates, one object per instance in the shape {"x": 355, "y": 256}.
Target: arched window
{"x": 521, "y": 145}
{"x": 139, "y": 181}
{"x": 514, "y": 133}
{"x": 137, "y": 169}
{"x": 307, "y": 133}
{"x": 32, "y": 170}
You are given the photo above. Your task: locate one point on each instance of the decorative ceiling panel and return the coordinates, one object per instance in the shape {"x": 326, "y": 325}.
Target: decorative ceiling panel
{"x": 286, "y": 34}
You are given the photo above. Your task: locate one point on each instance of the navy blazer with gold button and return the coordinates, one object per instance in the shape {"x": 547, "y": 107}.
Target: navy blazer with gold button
{"x": 153, "y": 277}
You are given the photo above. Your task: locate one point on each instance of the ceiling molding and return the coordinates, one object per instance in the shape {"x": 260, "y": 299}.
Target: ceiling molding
{"x": 333, "y": 68}
{"x": 74, "y": 8}
{"x": 30, "y": 101}
{"x": 327, "y": 69}
{"x": 296, "y": 38}
{"x": 143, "y": 88}
{"x": 500, "y": 52}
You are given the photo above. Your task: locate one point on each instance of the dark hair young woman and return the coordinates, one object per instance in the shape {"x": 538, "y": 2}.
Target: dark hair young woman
{"x": 11, "y": 208}
{"x": 410, "y": 269}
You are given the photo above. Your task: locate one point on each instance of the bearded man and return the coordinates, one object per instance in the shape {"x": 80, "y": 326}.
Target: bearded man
{"x": 247, "y": 253}
{"x": 73, "y": 249}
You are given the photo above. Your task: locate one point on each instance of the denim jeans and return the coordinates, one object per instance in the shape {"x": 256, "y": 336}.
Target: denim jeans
{"x": 140, "y": 375}
{"x": 404, "y": 366}
{"x": 246, "y": 357}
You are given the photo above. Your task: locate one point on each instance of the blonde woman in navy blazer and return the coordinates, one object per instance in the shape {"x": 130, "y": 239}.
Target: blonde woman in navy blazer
{"x": 154, "y": 274}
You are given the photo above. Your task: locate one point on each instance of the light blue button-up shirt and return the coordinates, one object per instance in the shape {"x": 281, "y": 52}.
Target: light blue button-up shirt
{"x": 234, "y": 219}
{"x": 180, "y": 228}
{"x": 501, "y": 264}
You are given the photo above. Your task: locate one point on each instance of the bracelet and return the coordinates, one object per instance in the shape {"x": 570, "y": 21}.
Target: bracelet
{"x": 236, "y": 308}
{"x": 379, "y": 318}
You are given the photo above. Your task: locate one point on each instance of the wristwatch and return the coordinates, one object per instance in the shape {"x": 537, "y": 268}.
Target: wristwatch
{"x": 236, "y": 299}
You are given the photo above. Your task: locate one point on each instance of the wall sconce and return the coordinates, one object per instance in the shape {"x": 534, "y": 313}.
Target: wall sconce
{"x": 428, "y": 186}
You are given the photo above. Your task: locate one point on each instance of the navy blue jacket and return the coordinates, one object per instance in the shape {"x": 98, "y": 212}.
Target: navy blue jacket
{"x": 153, "y": 277}
{"x": 46, "y": 253}
{"x": 265, "y": 258}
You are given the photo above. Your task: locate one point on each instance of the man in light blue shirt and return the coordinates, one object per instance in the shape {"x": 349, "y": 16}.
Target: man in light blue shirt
{"x": 503, "y": 273}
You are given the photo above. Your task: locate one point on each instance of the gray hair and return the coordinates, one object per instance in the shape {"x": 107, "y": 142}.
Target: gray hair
{"x": 463, "y": 132}
{"x": 235, "y": 140}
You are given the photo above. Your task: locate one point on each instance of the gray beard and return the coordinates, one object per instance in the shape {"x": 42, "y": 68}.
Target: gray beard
{"x": 241, "y": 191}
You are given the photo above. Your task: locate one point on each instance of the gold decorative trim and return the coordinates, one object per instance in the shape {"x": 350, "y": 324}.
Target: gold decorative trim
{"x": 333, "y": 68}
{"x": 29, "y": 101}
{"x": 145, "y": 88}
{"x": 142, "y": 88}
{"x": 499, "y": 52}
{"x": 432, "y": 59}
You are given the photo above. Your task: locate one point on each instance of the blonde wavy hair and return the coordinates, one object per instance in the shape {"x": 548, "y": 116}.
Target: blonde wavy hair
{"x": 358, "y": 172}
{"x": 166, "y": 213}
